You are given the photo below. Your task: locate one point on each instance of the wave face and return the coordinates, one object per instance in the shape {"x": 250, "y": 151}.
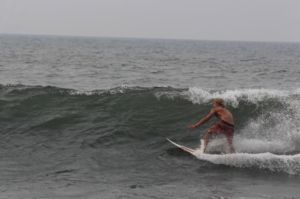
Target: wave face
{"x": 267, "y": 120}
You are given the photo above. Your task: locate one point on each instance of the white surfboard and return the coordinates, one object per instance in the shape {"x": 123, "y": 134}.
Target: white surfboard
{"x": 194, "y": 152}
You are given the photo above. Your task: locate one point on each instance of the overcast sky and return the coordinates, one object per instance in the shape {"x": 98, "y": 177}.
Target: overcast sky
{"x": 258, "y": 20}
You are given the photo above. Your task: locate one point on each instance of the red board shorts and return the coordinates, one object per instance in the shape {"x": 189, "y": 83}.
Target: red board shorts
{"x": 222, "y": 128}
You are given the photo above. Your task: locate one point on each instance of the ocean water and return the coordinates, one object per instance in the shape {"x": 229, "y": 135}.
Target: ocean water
{"x": 89, "y": 117}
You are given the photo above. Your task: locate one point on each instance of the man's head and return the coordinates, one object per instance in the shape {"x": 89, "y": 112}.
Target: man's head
{"x": 218, "y": 102}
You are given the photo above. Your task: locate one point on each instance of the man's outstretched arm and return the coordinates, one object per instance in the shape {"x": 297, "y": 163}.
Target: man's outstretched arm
{"x": 203, "y": 120}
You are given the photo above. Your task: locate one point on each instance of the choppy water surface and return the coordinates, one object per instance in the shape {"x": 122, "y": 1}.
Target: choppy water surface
{"x": 88, "y": 118}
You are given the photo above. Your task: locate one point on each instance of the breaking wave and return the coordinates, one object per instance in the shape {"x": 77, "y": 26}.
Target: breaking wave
{"x": 267, "y": 120}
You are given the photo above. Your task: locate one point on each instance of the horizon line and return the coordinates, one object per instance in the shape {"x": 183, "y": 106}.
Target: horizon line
{"x": 144, "y": 38}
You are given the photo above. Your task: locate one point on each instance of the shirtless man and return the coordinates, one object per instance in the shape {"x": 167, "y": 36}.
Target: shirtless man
{"x": 225, "y": 125}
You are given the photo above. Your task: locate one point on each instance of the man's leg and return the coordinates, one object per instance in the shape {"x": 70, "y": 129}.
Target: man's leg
{"x": 206, "y": 139}
{"x": 229, "y": 140}
{"x": 212, "y": 130}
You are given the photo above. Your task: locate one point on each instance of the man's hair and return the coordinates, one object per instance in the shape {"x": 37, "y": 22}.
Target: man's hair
{"x": 219, "y": 101}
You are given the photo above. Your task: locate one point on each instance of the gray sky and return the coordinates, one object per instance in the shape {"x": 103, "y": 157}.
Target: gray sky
{"x": 259, "y": 20}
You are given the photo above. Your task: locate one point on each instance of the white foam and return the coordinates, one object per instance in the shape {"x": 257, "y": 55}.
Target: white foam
{"x": 199, "y": 95}
{"x": 251, "y": 145}
{"x": 277, "y": 163}
{"x": 252, "y": 153}
{"x": 118, "y": 90}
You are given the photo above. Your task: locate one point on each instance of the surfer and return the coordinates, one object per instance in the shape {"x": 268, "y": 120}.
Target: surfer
{"x": 225, "y": 125}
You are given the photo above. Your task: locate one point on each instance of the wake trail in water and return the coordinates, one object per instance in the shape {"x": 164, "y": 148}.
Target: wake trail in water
{"x": 276, "y": 163}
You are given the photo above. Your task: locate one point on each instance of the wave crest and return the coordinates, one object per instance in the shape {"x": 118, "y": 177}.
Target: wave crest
{"x": 234, "y": 97}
